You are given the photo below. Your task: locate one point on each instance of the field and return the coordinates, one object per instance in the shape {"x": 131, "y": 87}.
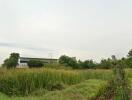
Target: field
{"x": 55, "y": 84}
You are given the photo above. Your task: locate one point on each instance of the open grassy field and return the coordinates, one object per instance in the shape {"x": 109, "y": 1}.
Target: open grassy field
{"x": 54, "y": 84}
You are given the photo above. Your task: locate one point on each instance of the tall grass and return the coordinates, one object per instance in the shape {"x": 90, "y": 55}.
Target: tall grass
{"x": 25, "y": 81}
{"x": 121, "y": 83}
{"x": 117, "y": 88}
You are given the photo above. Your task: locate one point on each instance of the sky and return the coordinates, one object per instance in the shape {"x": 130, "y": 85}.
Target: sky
{"x": 87, "y": 29}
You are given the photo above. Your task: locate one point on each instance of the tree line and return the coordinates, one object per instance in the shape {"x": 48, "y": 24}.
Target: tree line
{"x": 67, "y": 61}
{"x": 90, "y": 64}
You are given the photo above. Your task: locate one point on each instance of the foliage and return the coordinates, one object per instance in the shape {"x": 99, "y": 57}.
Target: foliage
{"x": 106, "y": 64}
{"x": 87, "y": 64}
{"x": 35, "y": 63}
{"x": 14, "y": 55}
{"x": 117, "y": 88}
{"x": 25, "y": 81}
{"x": 120, "y": 82}
{"x": 56, "y": 66}
{"x": 127, "y": 61}
{"x": 12, "y": 61}
{"x": 82, "y": 91}
{"x": 130, "y": 53}
{"x": 68, "y": 61}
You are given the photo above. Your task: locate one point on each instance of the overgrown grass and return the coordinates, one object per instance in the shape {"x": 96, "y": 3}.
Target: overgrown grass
{"x": 117, "y": 88}
{"x": 128, "y": 73}
{"x": 57, "y": 66}
{"x": 57, "y": 84}
{"x": 25, "y": 81}
{"x": 83, "y": 91}
{"x": 130, "y": 86}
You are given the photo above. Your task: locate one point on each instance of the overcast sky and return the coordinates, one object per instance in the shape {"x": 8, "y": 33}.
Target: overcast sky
{"x": 87, "y": 29}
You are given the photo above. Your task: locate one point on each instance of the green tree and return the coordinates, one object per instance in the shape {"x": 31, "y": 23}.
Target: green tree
{"x": 68, "y": 61}
{"x": 130, "y": 53}
{"x": 106, "y": 63}
{"x": 12, "y": 61}
{"x": 14, "y": 55}
{"x": 87, "y": 64}
{"x": 127, "y": 62}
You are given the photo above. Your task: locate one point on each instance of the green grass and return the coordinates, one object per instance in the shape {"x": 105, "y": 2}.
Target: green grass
{"x": 128, "y": 73}
{"x": 130, "y": 85}
{"x": 25, "y": 81}
{"x": 82, "y": 91}
{"x": 3, "y": 97}
{"x": 54, "y": 84}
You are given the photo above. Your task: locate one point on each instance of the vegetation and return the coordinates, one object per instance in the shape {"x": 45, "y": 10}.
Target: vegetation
{"x": 106, "y": 64}
{"x": 118, "y": 88}
{"x": 23, "y": 82}
{"x": 68, "y": 61}
{"x": 130, "y": 53}
{"x": 59, "y": 84}
{"x": 67, "y": 80}
{"x": 35, "y": 64}
{"x": 90, "y": 64}
{"x": 12, "y": 61}
{"x": 82, "y": 91}
{"x": 87, "y": 64}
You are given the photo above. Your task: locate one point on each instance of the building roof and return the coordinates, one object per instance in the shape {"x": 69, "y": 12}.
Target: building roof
{"x": 37, "y": 58}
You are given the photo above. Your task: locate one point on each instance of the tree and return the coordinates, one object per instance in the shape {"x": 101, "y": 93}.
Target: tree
{"x": 14, "y": 55}
{"x": 128, "y": 61}
{"x": 87, "y": 64}
{"x": 68, "y": 61}
{"x": 35, "y": 63}
{"x": 106, "y": 63}
{"x": 12, "y": 61}
{"x": 80, "y": 64}
{"x": 130, "y": 53}
{"x": 64, "y": 60}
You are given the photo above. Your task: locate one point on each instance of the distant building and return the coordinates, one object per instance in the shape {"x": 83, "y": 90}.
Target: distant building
{"x": 22, "y": 62}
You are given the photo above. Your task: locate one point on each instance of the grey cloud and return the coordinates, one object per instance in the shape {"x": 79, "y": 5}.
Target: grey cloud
{"x": 22, "y": 46}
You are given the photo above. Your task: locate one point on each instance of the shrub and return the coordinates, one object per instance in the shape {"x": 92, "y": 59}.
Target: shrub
{"x": 35, "y": 63}
{"x": 12, "y": 61}
{"x": 128, "y": 62}
{"x": 106, "y": 64}
{"x": 86, "y": 64}
{"x": 56, "y": 66}
{"x": 68, "y": 61}
{"x": 130, "y": 53}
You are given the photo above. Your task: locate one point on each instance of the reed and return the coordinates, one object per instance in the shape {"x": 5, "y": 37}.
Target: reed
{"x": 25, "y": 81}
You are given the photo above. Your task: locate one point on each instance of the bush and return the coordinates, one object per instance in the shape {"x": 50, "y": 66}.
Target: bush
{"x": 56, "y": 66}
{"x": 68, "y": 61}
{"x": 86, "y": 64}
{"x": 35, "y": 63}
{"x": 106, "y": 64}
{"x": 127, "y": 62}
{"x": 130, "y": 53}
